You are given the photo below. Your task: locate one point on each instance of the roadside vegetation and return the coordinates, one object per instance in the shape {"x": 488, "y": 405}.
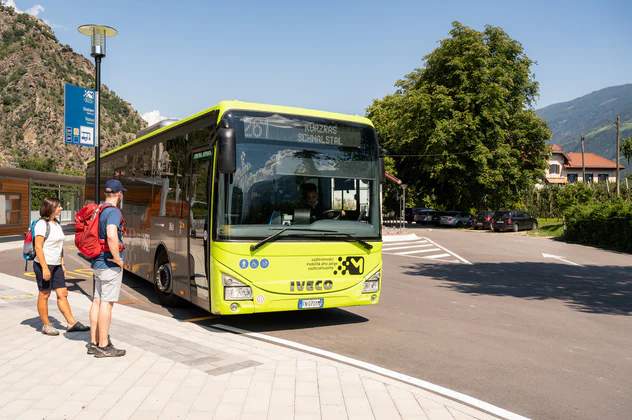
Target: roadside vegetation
{"x": 462, "y": 133}
{"x": 548, "y": 227}
{"x": 602, "y": 225}
{"x": 461, "y": 130}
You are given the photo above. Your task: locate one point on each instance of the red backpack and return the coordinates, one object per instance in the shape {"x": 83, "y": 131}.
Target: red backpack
{"x": 87, "y": 237}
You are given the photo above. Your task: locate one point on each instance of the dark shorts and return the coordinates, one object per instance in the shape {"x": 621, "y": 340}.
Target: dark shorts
{"x": 56, "y": 281}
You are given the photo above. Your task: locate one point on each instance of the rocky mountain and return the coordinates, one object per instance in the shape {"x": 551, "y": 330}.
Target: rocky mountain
{"x": 34, "y": 68}
{"x": 593, "y": 115}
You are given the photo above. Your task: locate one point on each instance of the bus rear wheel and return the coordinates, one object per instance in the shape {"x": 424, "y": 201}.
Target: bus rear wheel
{"x": 163, "y": 281}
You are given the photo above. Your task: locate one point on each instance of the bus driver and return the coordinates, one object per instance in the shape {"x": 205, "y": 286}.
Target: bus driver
{"x": 316, "y": 206}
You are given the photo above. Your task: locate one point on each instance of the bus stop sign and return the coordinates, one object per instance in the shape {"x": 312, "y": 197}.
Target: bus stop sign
{"x": 80, "y": 107}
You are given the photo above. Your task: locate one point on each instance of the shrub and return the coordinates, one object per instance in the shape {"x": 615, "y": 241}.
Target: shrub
{"x": 606, "y": 225}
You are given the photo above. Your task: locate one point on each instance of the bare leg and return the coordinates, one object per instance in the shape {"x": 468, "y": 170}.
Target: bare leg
{"x": 64, "y": 306}
{"x": 94, "y": 316}
{"x": 105, "y": 316}
{"x": 42, "y": 306}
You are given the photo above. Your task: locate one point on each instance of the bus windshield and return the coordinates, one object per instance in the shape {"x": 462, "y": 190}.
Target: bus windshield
{"x": 298, "y": 171}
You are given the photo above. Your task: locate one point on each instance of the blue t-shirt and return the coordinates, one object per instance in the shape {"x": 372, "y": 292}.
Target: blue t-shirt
{"x": 109, "y": 216}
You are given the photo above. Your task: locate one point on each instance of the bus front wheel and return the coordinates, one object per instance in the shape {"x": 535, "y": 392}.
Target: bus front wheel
{"x": 163, "y": 281}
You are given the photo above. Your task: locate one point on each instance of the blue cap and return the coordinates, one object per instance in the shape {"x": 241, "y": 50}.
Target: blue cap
{"x": 113, "y": 186}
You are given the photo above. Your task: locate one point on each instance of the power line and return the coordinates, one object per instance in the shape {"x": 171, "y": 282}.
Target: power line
{"x": 473, "y": 151}
{"x": 577, "y": 145}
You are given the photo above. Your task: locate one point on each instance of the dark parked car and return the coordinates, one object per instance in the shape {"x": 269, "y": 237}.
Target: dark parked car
{"x": 483, "y": 220}
{"x": 436, "y": 217}
{"x": 513, "y": 220}
{"x": 411, "y": 214}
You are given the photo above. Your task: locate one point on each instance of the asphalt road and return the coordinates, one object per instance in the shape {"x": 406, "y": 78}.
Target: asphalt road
{"x": 547, "y": 337}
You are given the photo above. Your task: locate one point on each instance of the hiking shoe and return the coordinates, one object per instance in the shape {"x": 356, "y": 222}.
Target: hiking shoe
{"x": 49, "y": 330}
{"x": 108, "y": 351}
{"x": 92, "y": 348}
{"x": 78, "y": 327}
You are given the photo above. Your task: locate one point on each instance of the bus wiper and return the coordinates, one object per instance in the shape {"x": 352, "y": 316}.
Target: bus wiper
{"x": 276, "y": 234}
{"x": 324, "y": 232}
{"x": 358, "y": 240}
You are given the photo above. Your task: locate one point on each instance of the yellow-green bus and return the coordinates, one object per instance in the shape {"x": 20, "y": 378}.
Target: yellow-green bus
{"x": 247, "y": 208}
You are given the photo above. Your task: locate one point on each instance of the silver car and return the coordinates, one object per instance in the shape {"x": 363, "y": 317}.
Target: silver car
{"x": 424, "y": 216}
{"x": 456, "y": 219}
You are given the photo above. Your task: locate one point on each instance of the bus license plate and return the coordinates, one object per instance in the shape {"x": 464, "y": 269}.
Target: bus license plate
{"x": 310, "y": 303}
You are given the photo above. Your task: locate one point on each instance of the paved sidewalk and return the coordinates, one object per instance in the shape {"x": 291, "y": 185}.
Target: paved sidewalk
{"x": 177, "y": 369}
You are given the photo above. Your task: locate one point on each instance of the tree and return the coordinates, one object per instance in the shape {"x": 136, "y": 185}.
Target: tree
{"x": 463, "y": 127}
{"x": 37, "y": 164}
{"x": 626, "y": 148}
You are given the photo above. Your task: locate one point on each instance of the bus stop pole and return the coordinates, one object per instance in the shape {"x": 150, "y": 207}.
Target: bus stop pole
{"x": 97, "y": 145}
{"x": 98, "y": 35}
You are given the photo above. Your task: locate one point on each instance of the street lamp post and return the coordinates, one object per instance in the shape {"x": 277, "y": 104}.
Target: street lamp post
{"x": 98, "y": 33}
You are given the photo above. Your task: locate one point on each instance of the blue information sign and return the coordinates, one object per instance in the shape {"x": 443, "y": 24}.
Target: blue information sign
{"x": 80, "y": 107}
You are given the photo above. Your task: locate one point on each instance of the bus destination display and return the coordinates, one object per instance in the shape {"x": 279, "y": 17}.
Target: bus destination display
{"x": 285, "y": 129}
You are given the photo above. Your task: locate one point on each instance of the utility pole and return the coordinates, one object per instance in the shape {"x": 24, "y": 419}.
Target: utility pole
{"x": 583, "y": 164}
{"x": 618, "y": 149}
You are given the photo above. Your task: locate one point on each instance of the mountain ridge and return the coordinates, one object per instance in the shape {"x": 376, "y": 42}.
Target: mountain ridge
{"x": 594, "y": 115}
{"x": 34, "y": 68}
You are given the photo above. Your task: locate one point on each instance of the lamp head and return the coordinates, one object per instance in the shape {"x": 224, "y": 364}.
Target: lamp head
{"x": 98, "y": 33}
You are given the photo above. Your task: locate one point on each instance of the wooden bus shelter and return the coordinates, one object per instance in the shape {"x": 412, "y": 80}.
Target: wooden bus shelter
{"x": 21, "y": 192}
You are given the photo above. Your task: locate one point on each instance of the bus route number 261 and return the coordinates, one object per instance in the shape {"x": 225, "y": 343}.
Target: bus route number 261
{"x": 255, "y": 128}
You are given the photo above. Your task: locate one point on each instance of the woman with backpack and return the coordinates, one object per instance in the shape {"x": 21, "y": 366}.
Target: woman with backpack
{"x": 49, "y": 267}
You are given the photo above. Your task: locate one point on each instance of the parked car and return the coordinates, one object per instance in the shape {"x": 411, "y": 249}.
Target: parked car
{"x": 483, "y": 220}
{"x": 513, "y": 220}
{"x": 411, "y": 213}
{"x": 456, "y": 219}
{"x": 409, "y": 216}
{"x": 436, "y": 217}
{"x": 424, "y": 216}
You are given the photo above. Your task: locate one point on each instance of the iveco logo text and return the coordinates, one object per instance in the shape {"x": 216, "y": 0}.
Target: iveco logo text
{"x": 311, "y": 285}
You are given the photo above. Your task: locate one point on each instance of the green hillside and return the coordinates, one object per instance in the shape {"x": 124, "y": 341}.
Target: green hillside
{"x": 593, "y": 115}
{"x": 34, "y": 67}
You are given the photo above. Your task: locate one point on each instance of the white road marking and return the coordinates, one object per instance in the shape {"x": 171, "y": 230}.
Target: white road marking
{"x": 411, "y": 237}
{"x": 418, "y": 251}
{"x": 410, "y": 242}
{"x": 561, "y": 259}
{"x": 450, "y": 252}
{"x": 439, "y": 256}
{"x": 457, "y": 396}
{"x": 424, "y": 243}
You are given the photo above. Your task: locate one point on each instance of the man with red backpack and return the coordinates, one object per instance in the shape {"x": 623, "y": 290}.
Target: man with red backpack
{"x": 108, "y": 272}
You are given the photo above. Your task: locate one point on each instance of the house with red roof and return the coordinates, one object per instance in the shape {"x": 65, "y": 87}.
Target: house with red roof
{"x": 566, "y": 167}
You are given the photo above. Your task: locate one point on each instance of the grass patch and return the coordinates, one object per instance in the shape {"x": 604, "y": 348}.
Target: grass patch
{"x": 548, "y": 227}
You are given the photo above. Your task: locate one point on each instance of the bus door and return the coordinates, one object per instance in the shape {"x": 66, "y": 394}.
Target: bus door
{"x": 199, "y": 225}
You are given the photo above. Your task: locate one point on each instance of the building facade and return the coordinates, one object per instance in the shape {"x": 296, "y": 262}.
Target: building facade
{"x": 566, "y": 167}
{"x": 21, "y": 191}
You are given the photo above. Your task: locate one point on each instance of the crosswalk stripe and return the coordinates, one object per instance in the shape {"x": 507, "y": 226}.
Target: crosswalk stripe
{"x": 418, "y": 251}
{"x": 438, "y": 255}
{"x": 407, "y": 247}
{"x": 421, "y": 248}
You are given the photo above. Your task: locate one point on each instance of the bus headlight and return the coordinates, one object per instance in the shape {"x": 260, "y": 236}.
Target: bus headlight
{"x": 372, "y": 284}
{"x": 235, "y": 289}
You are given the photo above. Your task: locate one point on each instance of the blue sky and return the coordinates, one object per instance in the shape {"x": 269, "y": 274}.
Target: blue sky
{"x": 178, "y": 58}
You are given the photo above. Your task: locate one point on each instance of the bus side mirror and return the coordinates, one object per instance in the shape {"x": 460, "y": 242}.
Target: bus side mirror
{"x": 382, "y": 172}
{"x": 226, "y": 151}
